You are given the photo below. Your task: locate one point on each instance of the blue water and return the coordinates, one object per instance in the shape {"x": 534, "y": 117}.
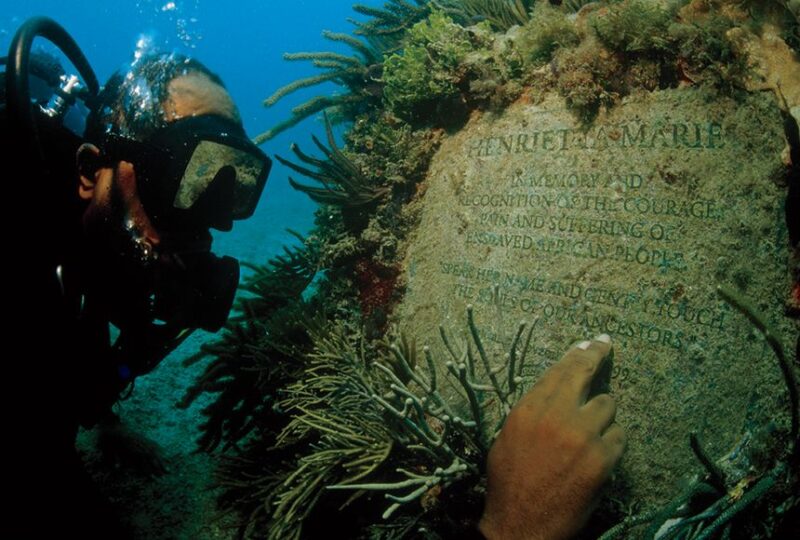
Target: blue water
{"x": 242, "y": 41}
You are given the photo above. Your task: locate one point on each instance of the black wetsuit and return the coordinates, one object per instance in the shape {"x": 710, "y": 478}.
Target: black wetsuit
{"x": 57, "y": 373}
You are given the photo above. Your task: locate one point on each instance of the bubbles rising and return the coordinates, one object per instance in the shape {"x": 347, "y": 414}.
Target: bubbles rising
{"x": 183, "y": 16}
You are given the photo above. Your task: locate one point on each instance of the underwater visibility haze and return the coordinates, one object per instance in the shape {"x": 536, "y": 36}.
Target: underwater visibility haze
{"x": 462, "y": 191}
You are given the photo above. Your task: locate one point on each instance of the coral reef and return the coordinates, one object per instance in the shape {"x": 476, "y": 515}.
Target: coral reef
{"x": 317, "y": 413}
{"x": 437, "y": 61}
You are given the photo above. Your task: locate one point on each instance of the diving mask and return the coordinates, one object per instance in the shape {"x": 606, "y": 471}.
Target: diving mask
{"x": 197, "y": 171}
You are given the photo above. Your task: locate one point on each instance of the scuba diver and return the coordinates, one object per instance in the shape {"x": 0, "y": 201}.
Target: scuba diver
{"x": 121, "y": 237}
{"x": 116, "y": 232}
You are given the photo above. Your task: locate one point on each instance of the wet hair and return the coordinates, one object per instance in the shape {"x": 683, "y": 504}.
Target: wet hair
{"x": 131, "y": 102}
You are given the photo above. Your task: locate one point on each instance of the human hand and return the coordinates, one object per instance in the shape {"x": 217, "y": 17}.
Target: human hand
{"x": 554, "y": 452}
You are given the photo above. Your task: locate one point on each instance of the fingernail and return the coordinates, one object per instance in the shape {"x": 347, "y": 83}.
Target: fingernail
{"x": 583, "y": 345}
{"x": 604, "y": 338}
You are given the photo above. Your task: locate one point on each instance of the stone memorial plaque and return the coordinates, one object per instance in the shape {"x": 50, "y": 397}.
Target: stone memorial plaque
{"x": 623, "y": 227}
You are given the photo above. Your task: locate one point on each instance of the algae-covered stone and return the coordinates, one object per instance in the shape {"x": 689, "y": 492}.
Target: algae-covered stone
{"x": 623, "y": 227}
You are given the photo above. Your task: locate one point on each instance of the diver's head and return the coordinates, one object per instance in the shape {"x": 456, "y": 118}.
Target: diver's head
{"x": 167, "y": 159}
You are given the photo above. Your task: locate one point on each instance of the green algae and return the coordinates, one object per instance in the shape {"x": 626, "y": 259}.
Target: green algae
{"x": 429, "y": 70}
{"x": 548, "y": 30}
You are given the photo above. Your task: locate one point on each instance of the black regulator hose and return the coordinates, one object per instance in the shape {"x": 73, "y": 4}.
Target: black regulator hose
{"x": 21, "y": 114}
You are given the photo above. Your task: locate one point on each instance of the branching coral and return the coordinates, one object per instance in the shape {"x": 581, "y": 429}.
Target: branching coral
{"x": 501, "y": 14}
{"x": 330, "y": 434}
{"x": 343, "y": 183}
{"x": 359, "y": 74}
{"x": 366, "y": 421}
{"x": 344, "y": 438}
{"x": 389, "y": 23}
{"x": 447, "y": 441}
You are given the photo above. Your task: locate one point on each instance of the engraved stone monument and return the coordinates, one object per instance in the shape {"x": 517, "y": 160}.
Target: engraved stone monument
{"x": 625, "y": 226}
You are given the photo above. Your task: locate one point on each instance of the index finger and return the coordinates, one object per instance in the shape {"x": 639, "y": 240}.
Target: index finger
{"x": 577, "y": 369}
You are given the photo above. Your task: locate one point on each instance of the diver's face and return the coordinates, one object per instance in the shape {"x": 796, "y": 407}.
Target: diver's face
{"x": 193, "y": 94}
{"x": 122, "y": 237}
{"x": 115, "y": 207}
